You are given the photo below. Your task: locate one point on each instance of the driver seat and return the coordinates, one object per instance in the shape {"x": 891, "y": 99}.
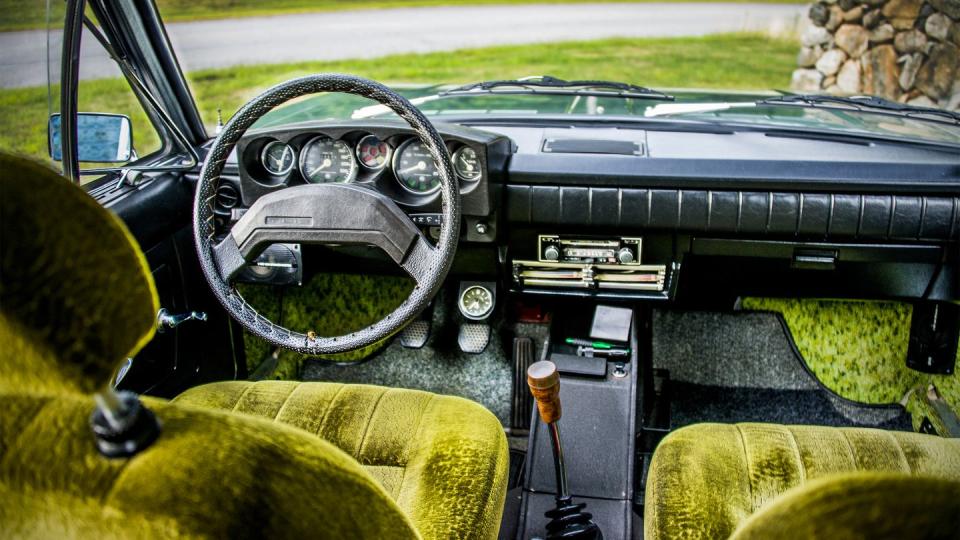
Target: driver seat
{"x": 233, "y": 459}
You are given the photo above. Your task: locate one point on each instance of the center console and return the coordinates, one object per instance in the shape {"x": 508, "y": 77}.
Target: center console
{"x": 599, "y": 393}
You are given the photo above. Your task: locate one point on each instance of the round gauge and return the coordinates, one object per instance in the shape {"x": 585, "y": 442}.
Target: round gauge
{"x": 466, "y": 163}
{"x": 277, "y": 158}
{"x": 476, "y": 302}
{"x": 324, "y": 160}
{"x": 373, "y": 153}
{"x": 415, "y": 169}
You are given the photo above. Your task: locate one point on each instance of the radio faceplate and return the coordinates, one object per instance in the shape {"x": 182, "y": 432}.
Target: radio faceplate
{"x": 584, "y": 250}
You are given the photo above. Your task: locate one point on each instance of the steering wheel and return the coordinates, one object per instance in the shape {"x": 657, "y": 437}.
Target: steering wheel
{"x": 324, "y": 213}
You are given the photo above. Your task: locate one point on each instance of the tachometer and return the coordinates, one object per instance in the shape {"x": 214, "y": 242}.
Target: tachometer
{"x": 325, "y": 160}
{"x": 415, "y": 169}
{"x": 466, "y": 163}
{"x": 277, "y": 158}
{"x": 373, "y": 153}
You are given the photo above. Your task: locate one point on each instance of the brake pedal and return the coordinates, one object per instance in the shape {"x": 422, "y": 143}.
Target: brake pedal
{"x": 473, "y": 338}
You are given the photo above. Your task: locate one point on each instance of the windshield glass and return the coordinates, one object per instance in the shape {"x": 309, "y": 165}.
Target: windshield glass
{"x": 731, "y": 109}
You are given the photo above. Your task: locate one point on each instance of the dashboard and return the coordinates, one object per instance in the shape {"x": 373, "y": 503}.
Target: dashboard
{"x": 619, "y": 212}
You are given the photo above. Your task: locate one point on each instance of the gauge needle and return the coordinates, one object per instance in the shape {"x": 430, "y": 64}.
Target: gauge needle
{"x": 418, "y": 167}
{"x": 324, "y": 165}
{"x": 467, "y": 163}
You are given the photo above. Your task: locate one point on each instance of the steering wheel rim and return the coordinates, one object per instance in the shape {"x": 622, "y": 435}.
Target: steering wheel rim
{"x": 428, "y": 265}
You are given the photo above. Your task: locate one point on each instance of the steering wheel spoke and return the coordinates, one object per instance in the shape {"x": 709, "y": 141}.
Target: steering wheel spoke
{"x": 325, "y": 213}
{"x": 421, "y": 261}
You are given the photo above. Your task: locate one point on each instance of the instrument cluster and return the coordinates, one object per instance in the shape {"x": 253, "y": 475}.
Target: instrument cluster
{"x": 398, "y": 162}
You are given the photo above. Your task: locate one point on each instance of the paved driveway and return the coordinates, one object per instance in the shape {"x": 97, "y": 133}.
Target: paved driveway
{"x": 376, "y": 33}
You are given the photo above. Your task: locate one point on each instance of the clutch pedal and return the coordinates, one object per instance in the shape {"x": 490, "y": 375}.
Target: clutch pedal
{"x": 416, "y": 334}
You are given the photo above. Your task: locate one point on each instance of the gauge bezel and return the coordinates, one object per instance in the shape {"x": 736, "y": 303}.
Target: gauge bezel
{"x": 466, "y": 313}
{"x": 456, "y": 169}
{"x": 353, "y": 160}
{"x": 263, "y": 158}
{"x": 396, "y": 170}
{"x": 390, "y": 153}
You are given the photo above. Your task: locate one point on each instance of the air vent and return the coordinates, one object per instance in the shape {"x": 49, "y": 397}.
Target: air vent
{"x": 227, "y": 198}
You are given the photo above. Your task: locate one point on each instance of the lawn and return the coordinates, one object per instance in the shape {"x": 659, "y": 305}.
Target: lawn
{"x": 720, "y": 61}
{"x": 14, "y": 15}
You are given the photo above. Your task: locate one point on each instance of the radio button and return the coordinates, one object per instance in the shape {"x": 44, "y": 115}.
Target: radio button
{"x": 551, "y": 253}
{"x": 625, "y": 256}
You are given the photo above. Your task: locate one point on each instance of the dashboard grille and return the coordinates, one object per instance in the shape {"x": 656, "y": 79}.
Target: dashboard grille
{"x": 227, "y": 198}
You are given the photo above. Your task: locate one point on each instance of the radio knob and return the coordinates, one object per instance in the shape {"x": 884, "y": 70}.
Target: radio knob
{"x": 625, "y": 256}
{"x": 551, "y": 253}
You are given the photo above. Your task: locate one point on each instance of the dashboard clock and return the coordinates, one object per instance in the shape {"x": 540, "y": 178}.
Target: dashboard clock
{"x": 476, "y": 301}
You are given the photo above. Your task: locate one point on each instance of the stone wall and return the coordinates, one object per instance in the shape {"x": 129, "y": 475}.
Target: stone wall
{"x": 905, "y": 50}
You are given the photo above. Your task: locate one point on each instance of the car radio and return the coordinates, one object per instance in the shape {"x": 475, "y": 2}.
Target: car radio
{"x": 621, "y": 251}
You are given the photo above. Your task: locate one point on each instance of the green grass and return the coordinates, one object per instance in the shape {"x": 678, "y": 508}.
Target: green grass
{"x": 14, "y": 15}
{"x": 728, "y": 61}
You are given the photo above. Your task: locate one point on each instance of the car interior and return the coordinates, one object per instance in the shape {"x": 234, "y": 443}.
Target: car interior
{"x": 418, "y": 322}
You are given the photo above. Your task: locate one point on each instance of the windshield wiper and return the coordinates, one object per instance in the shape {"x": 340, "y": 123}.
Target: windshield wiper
{"x": 552, "y": 85}
{"x": 865, "y": 104}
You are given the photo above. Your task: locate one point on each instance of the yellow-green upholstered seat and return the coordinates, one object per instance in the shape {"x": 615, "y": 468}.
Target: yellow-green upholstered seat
{"x": 706, "y": 480}
{"x": 76, "y": 298}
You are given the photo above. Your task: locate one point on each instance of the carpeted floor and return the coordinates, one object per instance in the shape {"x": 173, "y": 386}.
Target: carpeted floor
{"x": 439, "y": 366}
{"x": 693, "y": 403}
{"x": 739, "y": 367}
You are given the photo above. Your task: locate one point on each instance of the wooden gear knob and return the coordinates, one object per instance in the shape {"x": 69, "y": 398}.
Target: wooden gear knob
{"x": 544, "y": 383}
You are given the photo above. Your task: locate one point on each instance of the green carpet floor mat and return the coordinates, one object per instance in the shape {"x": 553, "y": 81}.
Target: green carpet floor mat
{"x": 328, "y": 304}
{"x": 742, "y": 367}
{"x": 857, "y": 349}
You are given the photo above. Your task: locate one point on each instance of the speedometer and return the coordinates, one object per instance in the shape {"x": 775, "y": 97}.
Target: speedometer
{"x": 324, "y": 160}
{"x": 415, "y": 169}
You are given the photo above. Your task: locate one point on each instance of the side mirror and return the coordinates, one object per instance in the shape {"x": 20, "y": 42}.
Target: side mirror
{"x": 101, "y": 138}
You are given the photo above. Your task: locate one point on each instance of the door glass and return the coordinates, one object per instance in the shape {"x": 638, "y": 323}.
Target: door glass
{"x": 31, "y": 40}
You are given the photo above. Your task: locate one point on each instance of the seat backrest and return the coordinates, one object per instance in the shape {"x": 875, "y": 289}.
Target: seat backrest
{"x": 860, "y": 505}
{"x": 76, "y": 295}
{"x": 76, "y": 298}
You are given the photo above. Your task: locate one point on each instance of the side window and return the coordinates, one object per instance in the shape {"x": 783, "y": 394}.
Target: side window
{"x": 31, "y": 40}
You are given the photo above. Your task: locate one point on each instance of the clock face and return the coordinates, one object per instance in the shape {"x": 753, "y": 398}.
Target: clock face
{"x": 476, "y": 302}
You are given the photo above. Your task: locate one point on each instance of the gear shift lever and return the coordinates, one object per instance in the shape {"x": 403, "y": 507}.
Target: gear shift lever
{"x": 567, "y": 520}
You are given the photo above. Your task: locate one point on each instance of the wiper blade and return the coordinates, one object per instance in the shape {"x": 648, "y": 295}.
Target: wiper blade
{"x": 865, "y": 103}
{"x": 552, "y": 85}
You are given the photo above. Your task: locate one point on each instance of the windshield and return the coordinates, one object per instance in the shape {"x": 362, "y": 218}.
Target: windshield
{"x": 713, "y": 107}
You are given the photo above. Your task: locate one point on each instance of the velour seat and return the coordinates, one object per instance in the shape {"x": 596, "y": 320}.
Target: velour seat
{"x": 771, "y": 481}
{"x": 232, "y": 460}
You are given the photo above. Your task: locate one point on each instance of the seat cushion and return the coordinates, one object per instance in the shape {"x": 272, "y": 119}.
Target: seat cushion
{"x": 443, "y": 459}
{"x": 860, "y": 505}
{"x": 705, "y": 479}
{"x": 210, "y": 474}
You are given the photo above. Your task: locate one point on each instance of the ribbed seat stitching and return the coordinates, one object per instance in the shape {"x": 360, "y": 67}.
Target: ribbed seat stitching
{"x": 286, "y": 400}
{"x": 329, "y": 408}
{"x": 366, "y": 428}
{"x": 853, "y": 455}
{"x": 896, "y": 443}
{"x": 746, "y": 461}
{"x": 242, "y": 395}
{"x": 800, "y": 465}
{"x": 416, "y": 436}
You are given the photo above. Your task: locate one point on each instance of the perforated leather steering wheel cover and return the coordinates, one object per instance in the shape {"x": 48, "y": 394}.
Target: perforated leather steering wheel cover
{"x": 434, "y": 264}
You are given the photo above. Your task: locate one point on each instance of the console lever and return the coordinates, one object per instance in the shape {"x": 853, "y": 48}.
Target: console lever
{"x": 567, "y": 520}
